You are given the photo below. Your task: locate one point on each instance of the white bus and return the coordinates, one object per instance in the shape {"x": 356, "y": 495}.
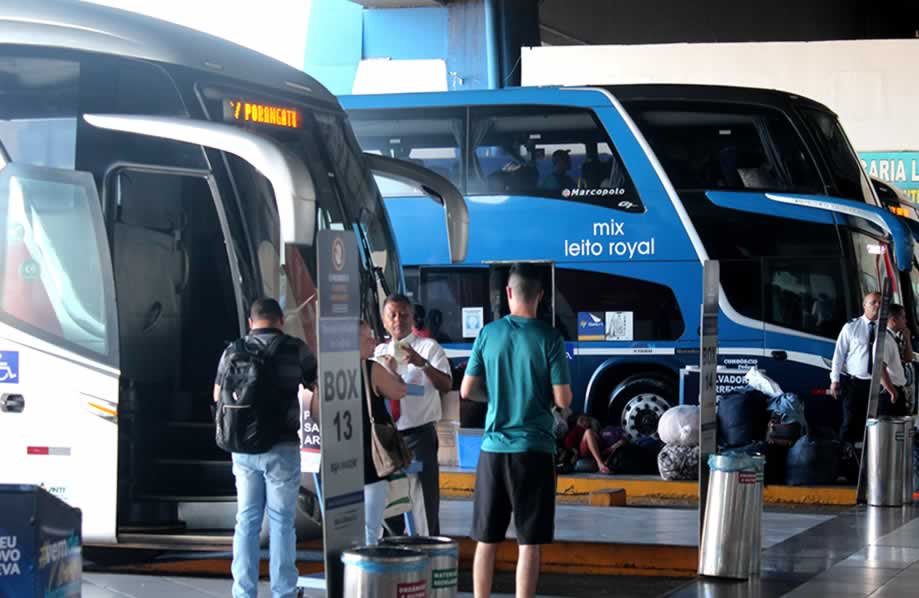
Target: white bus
{"x": 153, "y": 182}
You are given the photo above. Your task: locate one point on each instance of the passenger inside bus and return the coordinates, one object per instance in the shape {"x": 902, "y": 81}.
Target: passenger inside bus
{"x": 559, "y": 178}
{"x": 593, "y": 170}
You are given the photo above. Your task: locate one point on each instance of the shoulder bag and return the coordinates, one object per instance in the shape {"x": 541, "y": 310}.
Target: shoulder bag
{"x": 386, "y": 445}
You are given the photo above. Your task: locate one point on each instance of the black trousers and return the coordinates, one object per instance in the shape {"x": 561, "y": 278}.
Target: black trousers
{"x": 893, "y": 409}
{"x": 423, "y": 443}
{"x": 855, "y": 407}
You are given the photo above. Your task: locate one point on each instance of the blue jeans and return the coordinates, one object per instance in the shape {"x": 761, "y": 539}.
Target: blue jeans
{"x": 374, "y": 506}
{"x": 271, "y": 478}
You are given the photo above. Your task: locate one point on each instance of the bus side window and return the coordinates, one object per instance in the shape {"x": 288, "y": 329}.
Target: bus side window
{"x": 632, "y": 309}
{"x": 412, "y": 278}
{"x": 555, "y": 152}
{"x": 444, "y": 292}
{"x": 806, "y": 294}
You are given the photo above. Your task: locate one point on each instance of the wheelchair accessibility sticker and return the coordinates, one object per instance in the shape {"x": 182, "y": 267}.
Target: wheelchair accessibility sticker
{"x": 9, "y": 367}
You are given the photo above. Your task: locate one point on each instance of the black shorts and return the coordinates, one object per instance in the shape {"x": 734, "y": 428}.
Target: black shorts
{"x": 522, "y": 483}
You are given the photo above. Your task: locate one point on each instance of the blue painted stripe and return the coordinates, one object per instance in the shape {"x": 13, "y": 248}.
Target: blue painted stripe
{"x": 413, "y": 566}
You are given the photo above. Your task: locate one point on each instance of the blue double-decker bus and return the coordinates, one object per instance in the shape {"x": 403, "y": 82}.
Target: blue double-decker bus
{"x": 622, "y": 193}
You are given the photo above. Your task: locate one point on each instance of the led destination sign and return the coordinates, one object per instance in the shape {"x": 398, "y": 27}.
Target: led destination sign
{"x": 261, "y": 114}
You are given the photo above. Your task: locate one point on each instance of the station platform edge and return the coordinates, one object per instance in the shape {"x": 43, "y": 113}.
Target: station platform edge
{"x": 460, "y": 483}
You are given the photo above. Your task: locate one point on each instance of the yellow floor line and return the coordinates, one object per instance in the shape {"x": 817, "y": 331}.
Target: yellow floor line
{"x": 460, "y": 484}
{"x": 586, "y": 558}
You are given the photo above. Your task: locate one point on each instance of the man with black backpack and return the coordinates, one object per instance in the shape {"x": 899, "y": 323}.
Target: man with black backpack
{"x": 257, "y": 417}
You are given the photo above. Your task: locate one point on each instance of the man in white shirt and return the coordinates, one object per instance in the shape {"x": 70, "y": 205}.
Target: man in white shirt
{"x": 425, "y": 369}
{"x": 898, "y": 327}
{"x": 850, "y": 376}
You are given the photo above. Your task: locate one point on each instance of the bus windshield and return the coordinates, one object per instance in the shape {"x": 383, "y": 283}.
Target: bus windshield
{"x": 734, "y": 147}
{"x": 346, "y": 195}
{"x": 849, "y": 179}
{"x": 356, "y": 184}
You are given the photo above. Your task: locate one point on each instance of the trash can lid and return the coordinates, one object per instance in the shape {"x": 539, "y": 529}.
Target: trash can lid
{"x": 737, "y": 462}
{"x": 386, "y": 559}
{"x": 884, "y": 419}
{"x": 432, "y": 545}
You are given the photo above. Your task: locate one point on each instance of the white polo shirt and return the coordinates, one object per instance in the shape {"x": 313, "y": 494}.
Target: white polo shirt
{"x": 423, "y": 409}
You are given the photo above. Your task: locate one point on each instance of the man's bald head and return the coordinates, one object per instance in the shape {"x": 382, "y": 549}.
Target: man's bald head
{"x": 872, "y": 305}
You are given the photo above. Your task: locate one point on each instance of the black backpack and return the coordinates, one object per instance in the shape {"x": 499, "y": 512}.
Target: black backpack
{"x": 249, "y": 411}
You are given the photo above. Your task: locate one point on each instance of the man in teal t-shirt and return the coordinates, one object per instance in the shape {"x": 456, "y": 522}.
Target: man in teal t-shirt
{"x": 518, "y": 364}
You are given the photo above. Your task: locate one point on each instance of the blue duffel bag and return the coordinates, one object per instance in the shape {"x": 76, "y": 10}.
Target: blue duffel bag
{"x": 813, "y": 462}
{"x": 742, "y": 417}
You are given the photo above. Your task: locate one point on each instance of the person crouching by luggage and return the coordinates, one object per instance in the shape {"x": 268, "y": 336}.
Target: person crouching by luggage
{"x": 520, "y": 368}
{"x": 850, "y": 376}
{"x": 384, "y": 385}
{"x": 256, "y": 388}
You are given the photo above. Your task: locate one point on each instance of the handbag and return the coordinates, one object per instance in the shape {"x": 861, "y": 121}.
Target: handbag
{"x": 398, "y": 500}
{"x": 386, "y": 445}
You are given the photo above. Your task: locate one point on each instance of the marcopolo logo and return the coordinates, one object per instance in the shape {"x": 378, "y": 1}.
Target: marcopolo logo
{"x": 566, "y": 193}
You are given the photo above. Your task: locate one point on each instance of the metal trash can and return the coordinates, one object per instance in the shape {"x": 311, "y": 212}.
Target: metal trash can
{"x": 444, "y": 554}
{"x": 386, "y": 572}
{"x": 909, "y": 432}
{"x": 732, "y": 534}
{"x": 885, "y": 462}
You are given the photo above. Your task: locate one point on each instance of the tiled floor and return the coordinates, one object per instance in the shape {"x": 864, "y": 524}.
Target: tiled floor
{"x": 106, "y": 585}
{"x": 886, "y": 568}
{"x": 632, "y": 525}
{"x": 862, "y": 552}
{"x": 103, "y": 585}
{"x": 867, "y": 551}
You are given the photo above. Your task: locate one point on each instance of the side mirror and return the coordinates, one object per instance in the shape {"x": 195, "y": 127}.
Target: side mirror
{"x": 439, "y": 189}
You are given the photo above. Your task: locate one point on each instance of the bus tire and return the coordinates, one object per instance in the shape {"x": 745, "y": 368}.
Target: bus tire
{"x": 638, "y": 402}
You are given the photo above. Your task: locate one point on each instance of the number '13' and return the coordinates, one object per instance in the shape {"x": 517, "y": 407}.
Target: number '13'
{"x": 342, "y": 423}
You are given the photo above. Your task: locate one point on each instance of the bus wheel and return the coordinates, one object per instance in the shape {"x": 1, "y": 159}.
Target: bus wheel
{"x": 638, "y": 402}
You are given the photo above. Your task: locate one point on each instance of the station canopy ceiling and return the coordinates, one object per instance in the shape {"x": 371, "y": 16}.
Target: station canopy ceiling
{"x": 595, "y": 22}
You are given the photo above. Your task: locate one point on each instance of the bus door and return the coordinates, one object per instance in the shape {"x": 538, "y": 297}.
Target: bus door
{"x": 58, "y": 342}
{"x": 289, "y": 193}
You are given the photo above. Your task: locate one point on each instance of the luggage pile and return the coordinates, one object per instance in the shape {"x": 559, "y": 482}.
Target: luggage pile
{"x": 760, "y": 418}
{"x": 678, "y": 429}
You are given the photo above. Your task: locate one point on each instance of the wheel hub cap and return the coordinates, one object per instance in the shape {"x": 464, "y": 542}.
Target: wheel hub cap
{"x": 641, "y": 414}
